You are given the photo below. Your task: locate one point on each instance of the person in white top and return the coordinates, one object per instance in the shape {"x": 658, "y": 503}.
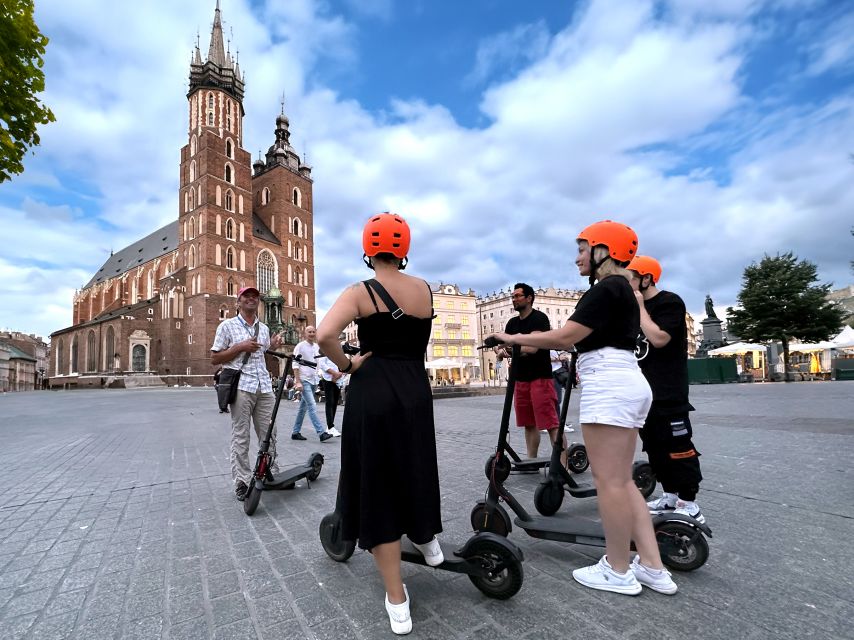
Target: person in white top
{"x": 329, "y": 378}
{"x": 305, "y": 380}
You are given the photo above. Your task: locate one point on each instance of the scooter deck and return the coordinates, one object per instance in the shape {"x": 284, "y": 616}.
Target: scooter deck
{"x": 529, "y": 464}
{"x": 286, "y": 478}
{"x": 563, "y": 528}
{"x": 454, "y": 563}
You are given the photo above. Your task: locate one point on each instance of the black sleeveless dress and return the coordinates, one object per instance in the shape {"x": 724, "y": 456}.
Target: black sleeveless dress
{"x": 389, "y": 483}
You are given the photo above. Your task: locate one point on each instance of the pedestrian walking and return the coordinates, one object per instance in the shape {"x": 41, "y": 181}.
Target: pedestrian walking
{"x": 329, "y": 379}
{"x": 306, "y": 381}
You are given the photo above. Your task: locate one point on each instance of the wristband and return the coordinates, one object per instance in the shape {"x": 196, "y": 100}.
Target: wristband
{"x": 348, "y": 367}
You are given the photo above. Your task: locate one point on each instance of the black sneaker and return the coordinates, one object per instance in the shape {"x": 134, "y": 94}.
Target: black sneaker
{"x": 326, "y": 436}
{"x": 298, "y": 436}
{"x": 240, "y": 490}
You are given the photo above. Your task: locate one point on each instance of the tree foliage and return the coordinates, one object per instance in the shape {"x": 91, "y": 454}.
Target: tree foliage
{"x": 22, "y": 47}
{"x": 780, "y": 301}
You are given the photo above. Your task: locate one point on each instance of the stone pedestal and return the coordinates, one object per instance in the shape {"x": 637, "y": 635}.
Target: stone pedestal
{"x": 713, "y": 336}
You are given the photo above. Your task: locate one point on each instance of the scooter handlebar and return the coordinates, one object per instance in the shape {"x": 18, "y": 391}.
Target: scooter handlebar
{"x": 297, "y": 359}
{"x": 490, "y": 342}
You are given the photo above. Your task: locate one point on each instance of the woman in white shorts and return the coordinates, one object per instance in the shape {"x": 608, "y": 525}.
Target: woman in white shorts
{"x": 615, "y": 399}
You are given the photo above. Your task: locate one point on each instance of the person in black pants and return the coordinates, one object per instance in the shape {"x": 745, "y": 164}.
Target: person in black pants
{"x": 663, "y": 357}
{"x": 329, "y": 377}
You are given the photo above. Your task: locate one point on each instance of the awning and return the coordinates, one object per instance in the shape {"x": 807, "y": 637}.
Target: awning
{"x": 810, "y": 347}
{"x": 737, "y": 348}
{"x": 443, "y": 363}
{"x": 844, "y": 340}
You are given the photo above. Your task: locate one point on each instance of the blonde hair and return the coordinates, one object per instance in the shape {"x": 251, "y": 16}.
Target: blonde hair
{"x": 609, "y": 266}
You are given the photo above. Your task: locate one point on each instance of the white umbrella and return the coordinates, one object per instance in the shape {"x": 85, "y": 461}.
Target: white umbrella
{"x": 844, "y": 340}
{"x": 737, "y": 348}
{"x": 807, "y": 348}
{"x": 443, "y": 363}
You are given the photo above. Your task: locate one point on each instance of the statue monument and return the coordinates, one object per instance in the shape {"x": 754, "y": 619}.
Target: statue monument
{"x": 712, "y": 332}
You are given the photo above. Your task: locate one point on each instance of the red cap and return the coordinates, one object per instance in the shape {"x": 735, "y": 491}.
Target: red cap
{"x": 245, "y": 289}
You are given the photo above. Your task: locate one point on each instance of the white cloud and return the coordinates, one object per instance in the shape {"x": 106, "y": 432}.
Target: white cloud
{"x": 508, "y": 50}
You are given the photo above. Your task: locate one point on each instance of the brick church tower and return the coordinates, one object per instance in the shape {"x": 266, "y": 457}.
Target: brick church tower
{"x": 155, "y": 305}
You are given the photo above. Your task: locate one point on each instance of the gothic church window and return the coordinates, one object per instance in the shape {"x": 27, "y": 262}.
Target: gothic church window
{"x": 192, "y": 264}
{"x": 297, "y": 197}
{"x": 91, "y": 354}
{"x": 296, "y": 227}
{"x": 210, "y": 119}
{"x": 193, "y": 145}
{"x": 74, "y": 349}
{"x": 192, "y": 171}
{"x": 229, "y": 259}
{"x": 230, "y": 287}
{"x": 109, "y": 350}
{"x": 265, "y": 196}
{"x": 210, "y": 101}
{"x": 60, "y": 356}
{"x": 229, "y": 174}
{"x": 267, "y": 276}
{"x": 229, "y": 229}
{"x": 229, "y": 200}
{"x": 192, "y": 228}
{"x": 229, "y": 149}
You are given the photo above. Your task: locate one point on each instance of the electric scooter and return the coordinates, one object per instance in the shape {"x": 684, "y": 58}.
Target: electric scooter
{"x": 576, "y": 459}
{"x": 262, "y": 480}
{"x": 681, "y": 539}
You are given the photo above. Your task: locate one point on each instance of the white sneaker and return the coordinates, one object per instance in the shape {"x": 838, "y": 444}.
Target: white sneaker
{"x": 690, "y": 509}
{"x": 398, "y": 615}
{"x": 656, "y": 579}
{"x": 568, "y": 428}
{"x": 666, "y": 502}
{"x": 432, "y": 552}
{"x": 334, "y": 432}
{"x": 601, "y": 576}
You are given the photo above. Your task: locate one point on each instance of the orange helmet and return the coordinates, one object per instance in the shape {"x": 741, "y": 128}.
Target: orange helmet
{"x": 646, "y": 266}
{"x": 621, "y": 240}
{"x": 386, "y": 233}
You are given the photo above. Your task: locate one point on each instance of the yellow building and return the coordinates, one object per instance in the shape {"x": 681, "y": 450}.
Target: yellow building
{"x": 452, "y": 350}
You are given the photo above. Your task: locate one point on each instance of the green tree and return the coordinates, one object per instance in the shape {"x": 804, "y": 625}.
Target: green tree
{"x": 22, "y": 46}
{"x": 780, "y": 301}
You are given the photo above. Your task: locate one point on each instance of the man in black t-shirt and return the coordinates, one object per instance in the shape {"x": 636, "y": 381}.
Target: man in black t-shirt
{"x": 662, "y": 352}
{"x": 534, "y": 395}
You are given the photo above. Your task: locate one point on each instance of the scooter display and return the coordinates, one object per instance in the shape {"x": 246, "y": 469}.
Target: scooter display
{"x": 262, "y": 480}
{"x": 681, "y": 539}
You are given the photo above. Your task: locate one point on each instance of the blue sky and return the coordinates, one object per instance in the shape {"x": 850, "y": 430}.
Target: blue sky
{"x": 719, "y": 131}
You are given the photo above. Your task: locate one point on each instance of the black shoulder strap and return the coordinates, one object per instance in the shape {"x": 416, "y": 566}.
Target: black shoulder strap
{"x": 371, "y": 293}
{"x": 254, "y": 337}
{"x": 396, "y": 311}
{"x": 432, "y": 310}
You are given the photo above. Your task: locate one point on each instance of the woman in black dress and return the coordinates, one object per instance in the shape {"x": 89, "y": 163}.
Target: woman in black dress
{"x": 389, "y": 484}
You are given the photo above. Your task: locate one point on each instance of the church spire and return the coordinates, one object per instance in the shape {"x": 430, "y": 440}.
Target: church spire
{"x": 219, "y": 70}
{"x": 216, "y": 51}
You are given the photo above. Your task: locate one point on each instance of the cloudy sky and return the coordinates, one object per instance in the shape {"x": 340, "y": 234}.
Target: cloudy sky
{"x": 720, "y": 131}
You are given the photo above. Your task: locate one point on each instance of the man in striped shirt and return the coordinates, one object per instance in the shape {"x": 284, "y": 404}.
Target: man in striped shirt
{"x": 236, "y": 336}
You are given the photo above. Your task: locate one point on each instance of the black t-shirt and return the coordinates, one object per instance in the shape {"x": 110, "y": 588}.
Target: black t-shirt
{"x": 666, "y": 368}
{"x": 532, "y": 366}
{"x": 610, "y": 309}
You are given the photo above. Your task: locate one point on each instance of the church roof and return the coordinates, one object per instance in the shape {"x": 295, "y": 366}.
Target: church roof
{"x": 150, "y": 247}
{"x": 262, "y": 231}
{"x": 15, "y": 353}
{"x": 154, "y": 245}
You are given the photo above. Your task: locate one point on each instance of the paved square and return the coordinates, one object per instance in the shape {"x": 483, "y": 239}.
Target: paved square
{"x": 117, "y": 520}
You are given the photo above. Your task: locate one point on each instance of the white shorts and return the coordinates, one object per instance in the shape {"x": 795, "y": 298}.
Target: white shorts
{"x": 613, "y": 389}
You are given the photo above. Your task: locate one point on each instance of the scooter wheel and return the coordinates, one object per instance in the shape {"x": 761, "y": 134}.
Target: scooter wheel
{"x": 496, "y": 521}
{"x": 576, "y": 458}
{"x": 682, "y": 547}
{"x": 330, "y": 537}
{"x": 253, "y": 497}
{"x": 644, "y": 478}
{"x": 548, "y": 497}
{"x": 316, "y": 464}
{"x": 502, "y": 468}
{"x": 502, "y": 583}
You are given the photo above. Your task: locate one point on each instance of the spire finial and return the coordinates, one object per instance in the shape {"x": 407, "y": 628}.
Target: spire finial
{"x": 283, "y": 103}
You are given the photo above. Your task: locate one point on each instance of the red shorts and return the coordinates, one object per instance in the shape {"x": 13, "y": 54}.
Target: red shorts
{"x": 536, "y": 404}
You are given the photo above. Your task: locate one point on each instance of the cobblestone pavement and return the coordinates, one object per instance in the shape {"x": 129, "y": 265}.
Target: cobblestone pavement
{"x": 117, "y": 520}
